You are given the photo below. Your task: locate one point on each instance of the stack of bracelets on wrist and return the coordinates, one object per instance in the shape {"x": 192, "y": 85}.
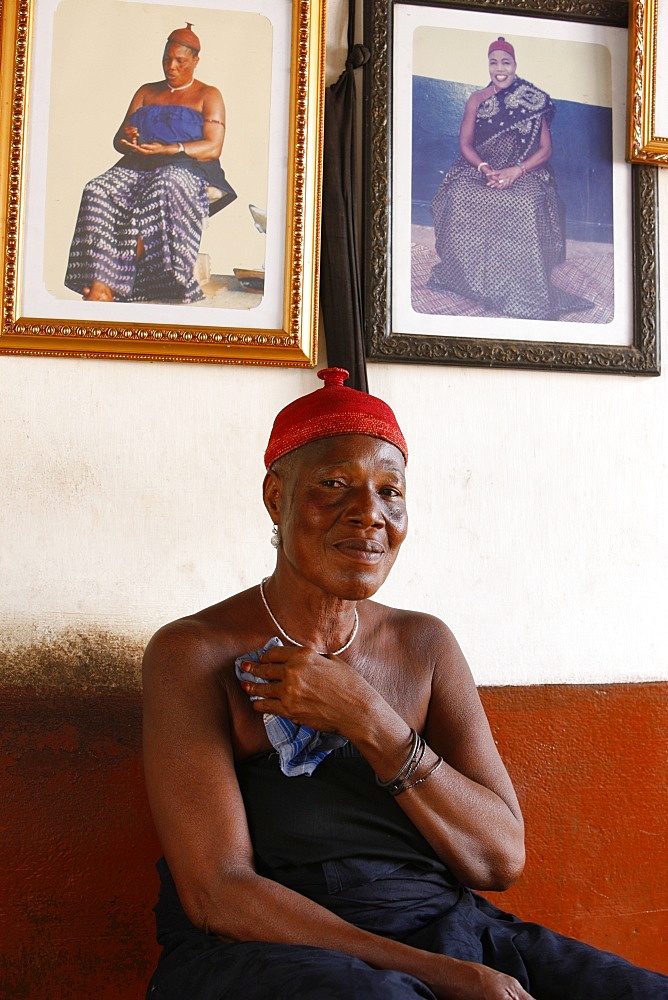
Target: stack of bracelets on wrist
{"x": 432, "y": 770}
{"x": 402, "y": 779}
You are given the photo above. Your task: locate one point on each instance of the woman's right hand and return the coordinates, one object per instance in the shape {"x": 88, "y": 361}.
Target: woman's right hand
{"x": 458, "y": 980}
{"x": 503, "y": 178}
{"x": 131, "y": 135}
{"x": 304, "y": 688}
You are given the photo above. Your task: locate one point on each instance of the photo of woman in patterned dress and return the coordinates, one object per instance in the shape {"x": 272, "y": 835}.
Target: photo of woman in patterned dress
{"x": 139, "y": 227}
{"x": 498, "y": 218}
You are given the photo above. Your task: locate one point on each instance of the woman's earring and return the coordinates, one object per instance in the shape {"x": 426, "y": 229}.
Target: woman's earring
{"x": 275, "y": 536}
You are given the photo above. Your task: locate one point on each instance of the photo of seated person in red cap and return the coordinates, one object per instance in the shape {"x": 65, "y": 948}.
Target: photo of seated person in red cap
{"x": 323, "y": 779}
{"x": 139, "y": 227}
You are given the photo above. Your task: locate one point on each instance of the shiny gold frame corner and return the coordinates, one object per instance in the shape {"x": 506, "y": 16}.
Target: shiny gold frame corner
{"x": 644, "y": 145}
{"x": 293, "y": 345}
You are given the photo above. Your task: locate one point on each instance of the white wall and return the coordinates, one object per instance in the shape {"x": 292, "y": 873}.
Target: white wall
{"x": 130, "y": 494}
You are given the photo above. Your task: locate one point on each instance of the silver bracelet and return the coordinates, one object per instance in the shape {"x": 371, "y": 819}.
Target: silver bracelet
{"x": 400, "y": 785}
{"x": 395, "y": 784}
{"x": 432, "y": 770}
{"x": 181, "y": 148}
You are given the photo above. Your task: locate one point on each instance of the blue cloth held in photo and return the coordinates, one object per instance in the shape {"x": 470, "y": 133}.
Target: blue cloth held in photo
{"x": 300, "y": 749}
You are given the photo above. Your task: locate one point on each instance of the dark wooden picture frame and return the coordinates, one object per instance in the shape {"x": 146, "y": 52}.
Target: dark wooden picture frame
{"x": 387, "y": 343}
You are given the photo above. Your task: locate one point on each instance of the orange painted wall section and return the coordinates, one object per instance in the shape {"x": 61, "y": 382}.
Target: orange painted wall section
{"x": 78, "y": 847}
{"x": 590, "y": 766}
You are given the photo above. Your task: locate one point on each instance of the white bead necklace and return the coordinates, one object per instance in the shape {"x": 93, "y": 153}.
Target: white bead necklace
{"x": 294, "y": 641}
{"x": 184, "y": 87}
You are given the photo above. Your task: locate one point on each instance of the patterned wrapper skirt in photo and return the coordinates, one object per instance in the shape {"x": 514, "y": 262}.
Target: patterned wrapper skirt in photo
{"x": 166, "y": 207}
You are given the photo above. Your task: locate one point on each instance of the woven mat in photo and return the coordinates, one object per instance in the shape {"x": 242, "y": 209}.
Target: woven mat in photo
{"x": 589, "y": 276}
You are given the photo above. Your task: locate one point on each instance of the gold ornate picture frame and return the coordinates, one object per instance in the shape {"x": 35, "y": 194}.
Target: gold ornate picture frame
{"x": 648, "y": 82}
{"x": 419, "y": 48}
{"x": 67, "y": 74}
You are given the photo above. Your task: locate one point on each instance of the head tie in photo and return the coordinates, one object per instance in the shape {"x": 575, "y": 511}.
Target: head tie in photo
{"x": 185, "y": 36}
{"x": 502, "y": 45}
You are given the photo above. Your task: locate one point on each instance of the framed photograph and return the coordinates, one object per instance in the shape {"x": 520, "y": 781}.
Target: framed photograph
{"x": 162, "y": 169}
{"x": 503, "y": 227}
{"x": 648, "y": 82}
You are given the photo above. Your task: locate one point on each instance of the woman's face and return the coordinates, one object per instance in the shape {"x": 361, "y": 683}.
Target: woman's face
{"x": 502, "y": 68}
{"x": 341, "y": 507}
{"x": 178, "y": 64}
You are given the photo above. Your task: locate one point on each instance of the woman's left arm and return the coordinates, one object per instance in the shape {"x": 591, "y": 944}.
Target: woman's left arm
{"x": 465, "y": 807}
{"x": 210, "y": 146}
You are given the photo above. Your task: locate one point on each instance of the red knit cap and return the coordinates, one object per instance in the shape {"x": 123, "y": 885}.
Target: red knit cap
{"x": 333, "y": 409}
{"x": 184, "y": 36}
{"x": 501, "y": 44}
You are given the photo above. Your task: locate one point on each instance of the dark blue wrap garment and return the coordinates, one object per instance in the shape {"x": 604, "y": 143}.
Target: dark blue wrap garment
{"x": 168, "y": 123}
{"x": 338, "y": 839}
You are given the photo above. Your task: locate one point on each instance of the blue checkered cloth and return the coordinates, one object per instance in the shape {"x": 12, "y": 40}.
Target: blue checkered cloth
{"x": 300, "y": 748}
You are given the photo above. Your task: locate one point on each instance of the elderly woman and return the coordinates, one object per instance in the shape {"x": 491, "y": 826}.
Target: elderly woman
{"x": 140, "y": 223}
{"x": 321, "y": 773}
{"x": 498, "y": 219}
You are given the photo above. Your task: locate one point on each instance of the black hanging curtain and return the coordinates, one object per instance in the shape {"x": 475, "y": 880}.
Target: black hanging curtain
{"x": 340, "y": 275}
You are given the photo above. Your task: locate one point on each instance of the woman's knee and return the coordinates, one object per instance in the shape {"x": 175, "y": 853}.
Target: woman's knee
{"x": 108, "y": 190}
{"x": 259, "y": 971}
{"x": 317, "y": 972}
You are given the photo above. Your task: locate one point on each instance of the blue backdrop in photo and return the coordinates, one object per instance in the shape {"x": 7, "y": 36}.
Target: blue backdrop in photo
{"x": 581, "y": 155}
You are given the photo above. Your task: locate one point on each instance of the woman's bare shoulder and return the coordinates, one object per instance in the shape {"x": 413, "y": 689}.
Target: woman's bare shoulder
{"x": 211, "y": 637}
{"x": 478, "y": 96}
{"x": 150, "y": 89}
{"x": 189, "y": 678}
{"x": 410, "y": 627}
{"x": 209, "y": 91}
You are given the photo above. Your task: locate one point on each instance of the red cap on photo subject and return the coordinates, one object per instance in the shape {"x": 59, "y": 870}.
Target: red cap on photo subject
{"x": 333, "y": 409}
{"x": 184, "y": 36}
{"x": 501, "y": 44}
